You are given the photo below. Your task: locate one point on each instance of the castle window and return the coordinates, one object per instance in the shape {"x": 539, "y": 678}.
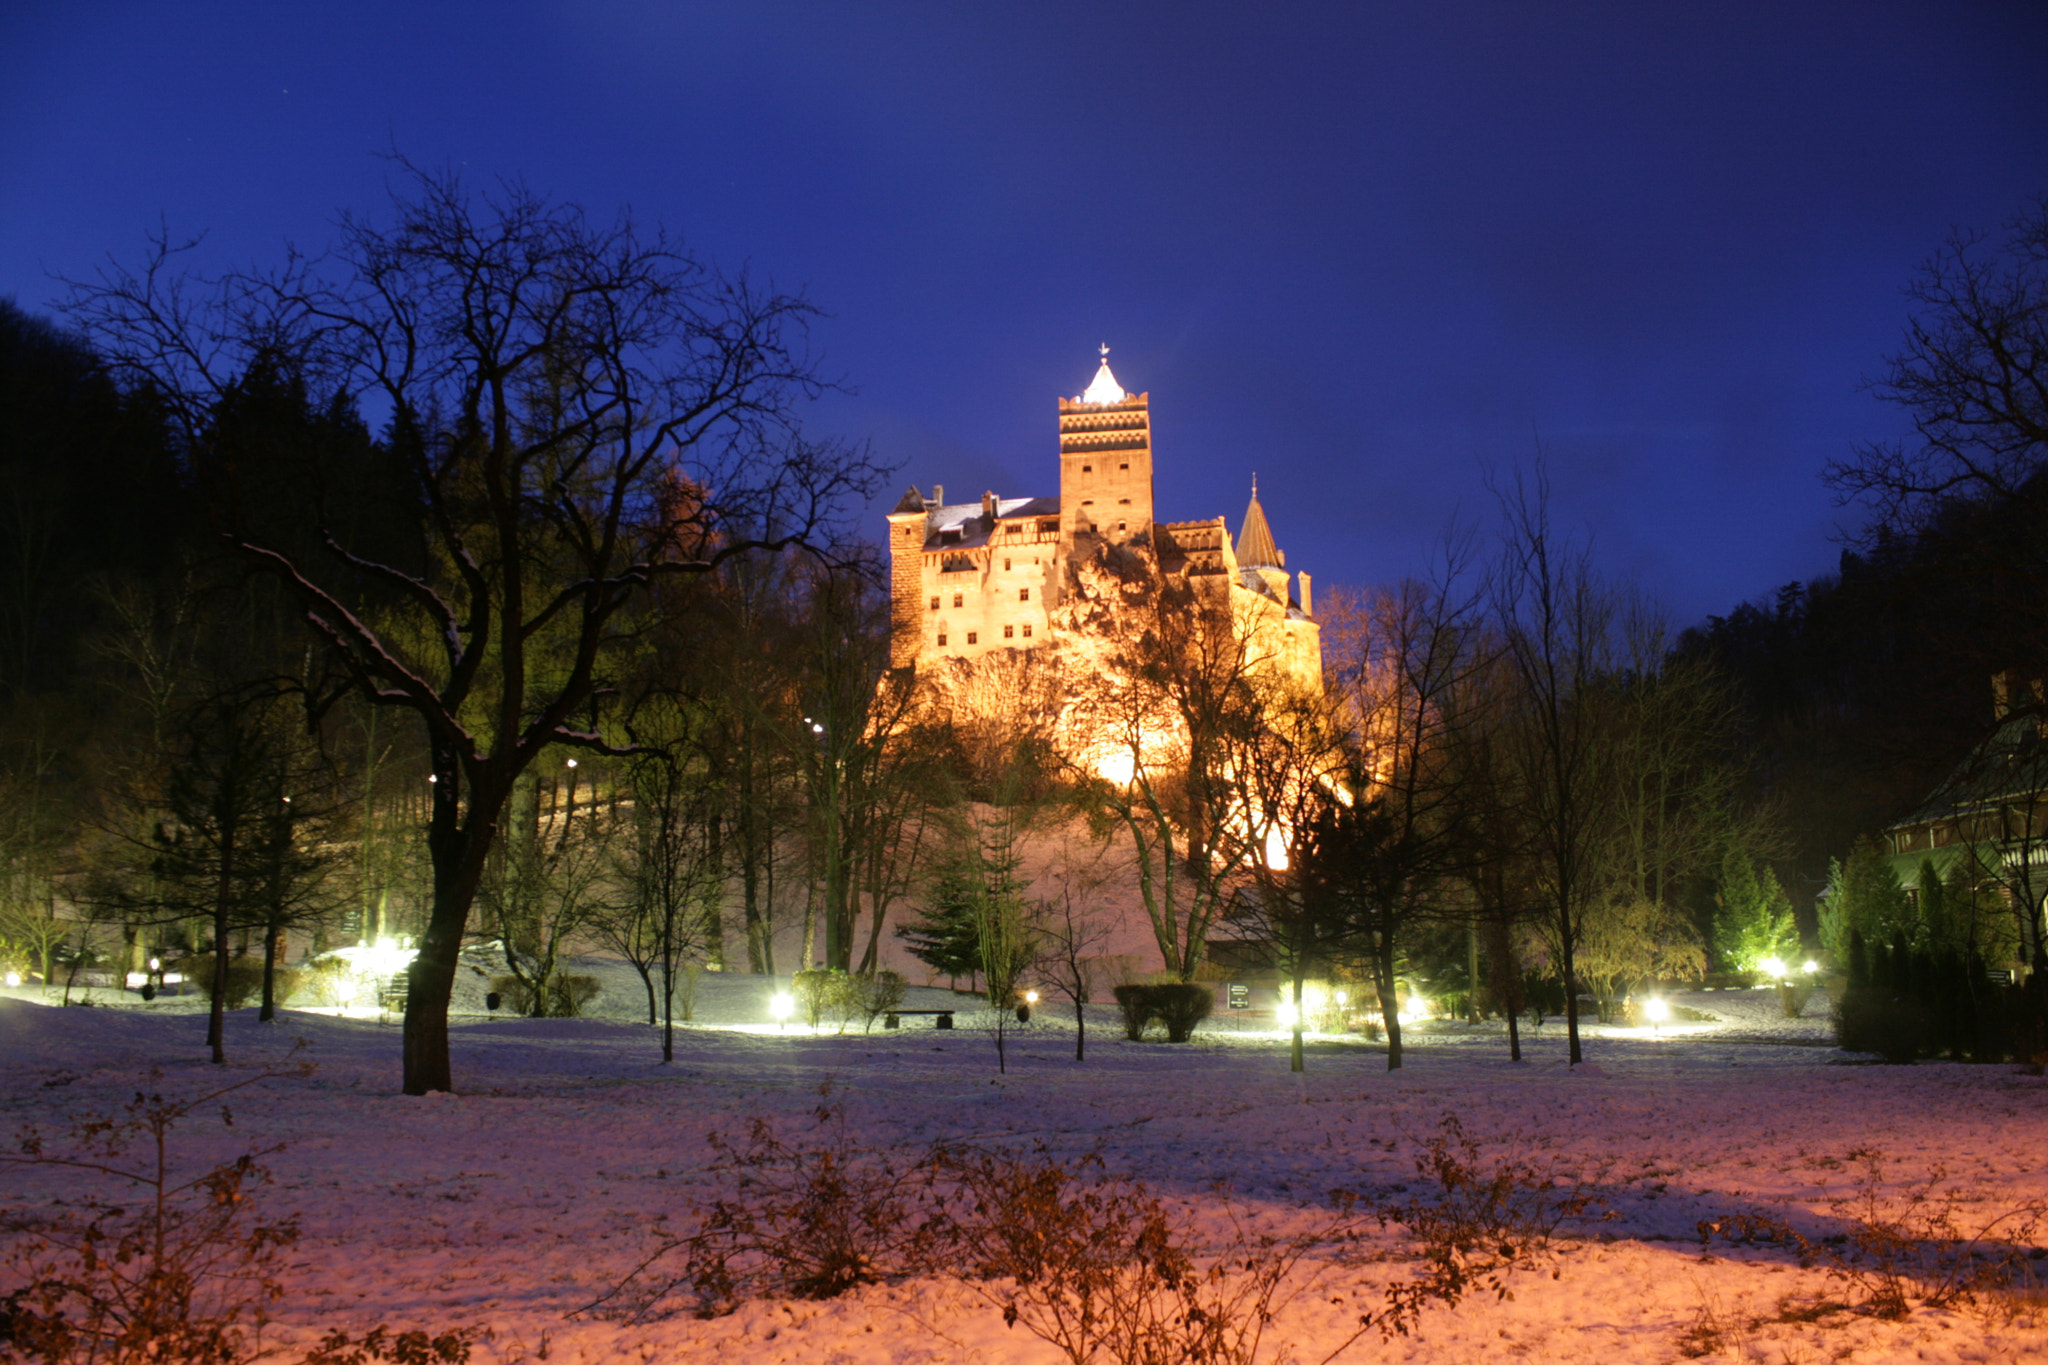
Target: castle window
{"x": 1009, "y": 632}
{"x": 1087, "y": 502}
{"x": 1027, "y": 631}
{"x": 1006, "y": 566}
{"x": 935, "y": 604}
{"x": 942, "y": 639}
{"x": 1023, "y": 594}
{"x": 1119, "y": 526}
{"x": 971, "y": 637}
{"x": 1087, "y": 469}
{"x": 1048, "y": 528}
{"x": 956, "y": 599}
{"x": 1125, "y": 465}
{"x": 1123, "y": 502}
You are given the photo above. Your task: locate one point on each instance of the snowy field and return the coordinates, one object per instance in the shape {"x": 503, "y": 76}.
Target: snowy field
{"x": 570, "y": 1146}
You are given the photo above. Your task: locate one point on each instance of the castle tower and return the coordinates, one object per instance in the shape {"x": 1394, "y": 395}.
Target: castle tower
{"x": 1256, "y": 552}
{"x": 908, "y": 524}
{"x": 1105, "y": 462}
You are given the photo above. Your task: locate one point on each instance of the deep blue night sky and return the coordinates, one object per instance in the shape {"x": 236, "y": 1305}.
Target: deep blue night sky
{"x": 1364, "y": 250}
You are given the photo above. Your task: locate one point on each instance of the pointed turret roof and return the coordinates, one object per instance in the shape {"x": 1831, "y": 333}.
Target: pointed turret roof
{"x": 1104, "y": 388}
{"x": 1255, "y": 547}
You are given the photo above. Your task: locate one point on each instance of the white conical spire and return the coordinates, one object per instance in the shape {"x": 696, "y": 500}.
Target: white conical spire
{"x": 1104, "y": 389}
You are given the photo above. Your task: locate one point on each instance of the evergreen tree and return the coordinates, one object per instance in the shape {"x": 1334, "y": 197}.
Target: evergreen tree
{"x": 944, "y": 936}
{"x": 1935, "y": 913}
{"x": 1754, "y": 921}
{"x": 1869, "y": 894}
{"x": 1832, "y": 924}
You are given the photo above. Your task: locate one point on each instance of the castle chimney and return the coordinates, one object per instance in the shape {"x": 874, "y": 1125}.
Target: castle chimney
{"x": 988, "y": 506}
{"x": 939, "y": 494}
{"x": 1307, "y": 602}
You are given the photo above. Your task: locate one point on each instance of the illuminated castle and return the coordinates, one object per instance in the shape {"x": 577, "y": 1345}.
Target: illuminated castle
{"x": 968, "y": 579}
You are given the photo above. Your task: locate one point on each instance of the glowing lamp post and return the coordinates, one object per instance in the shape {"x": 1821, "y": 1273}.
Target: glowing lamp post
{"x": 780, "y": 1006}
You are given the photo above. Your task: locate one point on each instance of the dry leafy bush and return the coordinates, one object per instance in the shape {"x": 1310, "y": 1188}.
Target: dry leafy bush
{"x": 878, "y": 994}
{"x": 401, "y": 1348}
{"x": 1921, "y": 1241}
{"x": 806, "y": 1220}
{"x": 822, "y": 991}
{"x": 1482, "y": 1225}
{"x": 151, "y": 1265}
{"x": 688, "y": 974}
{"x": 1090, "y": 1263}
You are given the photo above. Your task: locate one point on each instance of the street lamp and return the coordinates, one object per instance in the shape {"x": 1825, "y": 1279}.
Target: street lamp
{"x": 835, "y": 950}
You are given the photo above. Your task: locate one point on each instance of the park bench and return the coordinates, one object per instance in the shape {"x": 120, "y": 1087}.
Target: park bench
{"x": 895, "y": 1018}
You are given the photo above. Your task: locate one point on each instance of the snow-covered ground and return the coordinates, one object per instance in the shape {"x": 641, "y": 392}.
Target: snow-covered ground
{"x": 569, "y": 1143}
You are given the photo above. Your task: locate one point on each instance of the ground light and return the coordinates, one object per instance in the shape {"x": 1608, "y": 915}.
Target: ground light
{"x": 1656, "y": 1009}
{"x": 780, "y": 1006}
{"x": 367, "y": 966}
{"x": 1774, "y": 967}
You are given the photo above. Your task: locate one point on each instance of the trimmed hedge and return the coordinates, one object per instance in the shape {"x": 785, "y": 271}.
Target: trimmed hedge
{"x": 1176, "y": 1005}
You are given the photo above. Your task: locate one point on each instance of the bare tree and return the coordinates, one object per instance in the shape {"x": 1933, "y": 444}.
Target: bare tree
{"x": 234, "y": 848}
{"x": 1675, "y": 761}
{"x": 580, "y": 411}
{"x": 1972, "y": 484}
{"x": 1558, "y": 619}
{"x": 1974, "y": 375}
{"x": 1408, "y": 661}
{"x": 544, "y": 882}
{"x": 1156, "y": 731}
{"x": 743, "y": 681}
{"x": 1294, "y": 784}
{"x": 669, "y": 861}
{"x": 866, "y": 755}
{"x": 1071, "y": 934}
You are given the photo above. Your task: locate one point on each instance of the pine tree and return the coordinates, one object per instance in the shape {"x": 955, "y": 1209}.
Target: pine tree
{"x": 1754, "y": 923}
{"x": 1871, "y": 897}
{"x": 946, "y": 937}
